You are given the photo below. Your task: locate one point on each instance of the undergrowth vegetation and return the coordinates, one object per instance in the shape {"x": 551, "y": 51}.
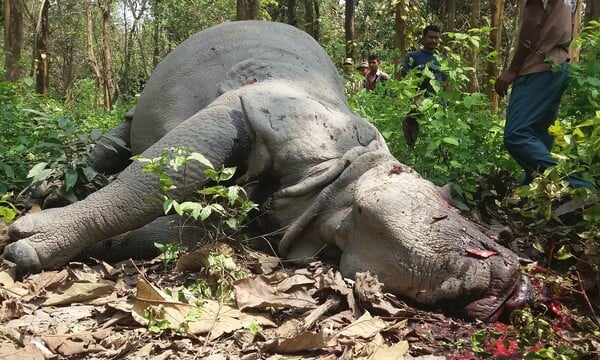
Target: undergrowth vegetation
{"x": 44, "y": 141}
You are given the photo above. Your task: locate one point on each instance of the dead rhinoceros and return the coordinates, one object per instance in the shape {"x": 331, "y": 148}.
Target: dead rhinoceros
{"x": 266, "y": 98}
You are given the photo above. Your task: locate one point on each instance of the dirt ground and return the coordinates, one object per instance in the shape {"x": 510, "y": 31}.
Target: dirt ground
{"x": 248, "y": 305}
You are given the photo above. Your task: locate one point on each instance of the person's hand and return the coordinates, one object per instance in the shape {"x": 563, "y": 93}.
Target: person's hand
{"x": 504, "y": 80}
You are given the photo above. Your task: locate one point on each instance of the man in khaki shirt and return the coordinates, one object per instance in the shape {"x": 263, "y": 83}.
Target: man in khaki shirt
{"x": 539, "y": 73}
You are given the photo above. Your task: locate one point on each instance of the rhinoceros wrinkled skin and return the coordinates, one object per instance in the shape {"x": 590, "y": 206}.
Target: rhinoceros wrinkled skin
{"x": 266, "y": 98}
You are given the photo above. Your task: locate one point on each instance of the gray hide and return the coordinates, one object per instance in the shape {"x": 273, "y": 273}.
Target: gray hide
{"x": 265, "y": 97}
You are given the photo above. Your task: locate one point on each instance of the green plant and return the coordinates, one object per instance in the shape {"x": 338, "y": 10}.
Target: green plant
{"x": 226, "y": 271}
{"x": 156, "y": 321}
{"x": 37, "y": 129}
{"x": 254, "y": 327}
{"x": 229, "y": 204}
{"x": 7, "y": 210}
{"x": 191, "y": 316}
{"x": 68, "y": 174}
{"x": 170, "y": 253}
{"x": 528, "y": 337}
{"x": 460, "y": 139}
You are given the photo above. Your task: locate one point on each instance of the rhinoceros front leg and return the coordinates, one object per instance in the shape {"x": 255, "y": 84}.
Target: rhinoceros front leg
{"x": 51, "y": 238}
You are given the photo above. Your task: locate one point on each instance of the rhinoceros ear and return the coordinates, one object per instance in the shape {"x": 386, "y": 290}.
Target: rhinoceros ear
{"x": 446, "y": 192}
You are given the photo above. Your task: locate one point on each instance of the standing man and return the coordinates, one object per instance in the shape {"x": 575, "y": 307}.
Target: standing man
{"x": 420, "y": 59}
{"x": 426, "y": 57}
{"x": 363, "y": 68}
{"x": 347, "y": 66}
{"x": 539, "y": 74}
{"x": 374, "y": 75}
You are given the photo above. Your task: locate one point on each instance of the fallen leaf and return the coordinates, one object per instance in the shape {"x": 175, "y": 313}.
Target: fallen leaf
{"x": 303, "y": 341}
{"x": 197, "y": 259}
{"x": 364, "y": 327}
{"x": 80, "y": 292}
{"x": 394, "y": 352}
{"x": 294, "y": 280}
{"x": 72, "y": 344}
{"x": 214, "y": 318}
{"x": 262, "y": 263}
{"x": 14, "y": 352}
{"x": 47, "y": 280}
{"x": 259, "y": 292}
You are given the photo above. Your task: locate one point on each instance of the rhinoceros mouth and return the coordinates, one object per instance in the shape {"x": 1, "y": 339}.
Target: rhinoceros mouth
{"x": 518, "y": 298}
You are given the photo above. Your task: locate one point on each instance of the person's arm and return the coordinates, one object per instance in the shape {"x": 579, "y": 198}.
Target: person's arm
{"x": 406, "y": 65}
{"x": 527, "y": 43}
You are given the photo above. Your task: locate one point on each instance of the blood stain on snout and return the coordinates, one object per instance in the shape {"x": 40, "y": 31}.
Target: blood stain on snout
{"x": 395, "y": 170}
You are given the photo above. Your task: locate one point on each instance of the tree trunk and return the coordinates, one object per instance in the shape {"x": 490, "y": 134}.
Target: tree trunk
{"x": 475, "y": 15}
{"x": 128, "y": 40}
{"x": 107, "y": 74}
{"x": 41, "y": 46}
{"x": 68, "y": 69}
{"x": 156, "y": 42}
{"x": 291, "y": 13}
{"x": 13, "y": 38}
{"x": 574, "y": 52}
{"x": 247, "y": 9}
{"x": 309, "y": 18}
{"x": 90, "y": 49}
{"x": 399, "y": 34}
{"x": 66, "y": 49}
{"x": 451, "y": 15}
{"x": 131, "y": 30}
{"x": 349, "y": 28}
{"x": 495, "y": 45}
{"x": 592, "y": 11}
{"x": 316, "y": 19}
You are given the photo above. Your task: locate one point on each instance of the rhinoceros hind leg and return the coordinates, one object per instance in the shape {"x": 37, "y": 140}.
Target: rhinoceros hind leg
{"x": 140, "y": 243}
{"x": 111, "y": 153}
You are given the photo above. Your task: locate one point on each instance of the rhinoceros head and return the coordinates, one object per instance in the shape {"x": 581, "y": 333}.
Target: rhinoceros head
{"x": 401, "y": 228}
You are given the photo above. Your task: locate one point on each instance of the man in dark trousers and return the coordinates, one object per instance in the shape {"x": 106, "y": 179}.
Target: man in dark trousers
{"x": 424, "y": 57}
{"x": 538, "y": 72}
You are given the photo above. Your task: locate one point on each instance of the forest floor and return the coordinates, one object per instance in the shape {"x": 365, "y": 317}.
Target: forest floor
{"x": 162, "y": 309}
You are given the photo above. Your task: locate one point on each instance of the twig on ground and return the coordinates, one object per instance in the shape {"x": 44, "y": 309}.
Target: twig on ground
{"x": 586, "y": 298}
{"x": 332, "y": 302}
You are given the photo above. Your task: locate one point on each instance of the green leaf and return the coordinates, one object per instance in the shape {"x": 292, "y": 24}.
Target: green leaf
{"x": 201, "y": 159}
{"x": 205, "y": 213}
{"x": 177, "y": 162}
{"x": 227, "y": 173}
{"x": 213, "y": 190}
{"x": 218, "y": 208}
{"x": 70, "y": 179}
{"x": 233, "y": 194}
{"x": 232, "y": 223}
{"x": 89, "y": 173}
{"x": 7, "y": 213}
{"x": 212, "y": 174}
{"x": 563, "y": 253}
{"x": 167, "y": 205}
{"x": 37, "y": 169}
{"x": 450, "y": 140}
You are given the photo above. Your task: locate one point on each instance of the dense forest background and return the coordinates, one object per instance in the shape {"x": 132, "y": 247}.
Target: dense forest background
{"x": 116, "y": 44}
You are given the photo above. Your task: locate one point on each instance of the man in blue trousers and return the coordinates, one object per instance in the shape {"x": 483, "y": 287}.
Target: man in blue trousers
{"x": 539, "y": 73}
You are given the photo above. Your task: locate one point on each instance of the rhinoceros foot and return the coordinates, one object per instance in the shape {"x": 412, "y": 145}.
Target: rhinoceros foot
{"x": 24, "y": 256}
